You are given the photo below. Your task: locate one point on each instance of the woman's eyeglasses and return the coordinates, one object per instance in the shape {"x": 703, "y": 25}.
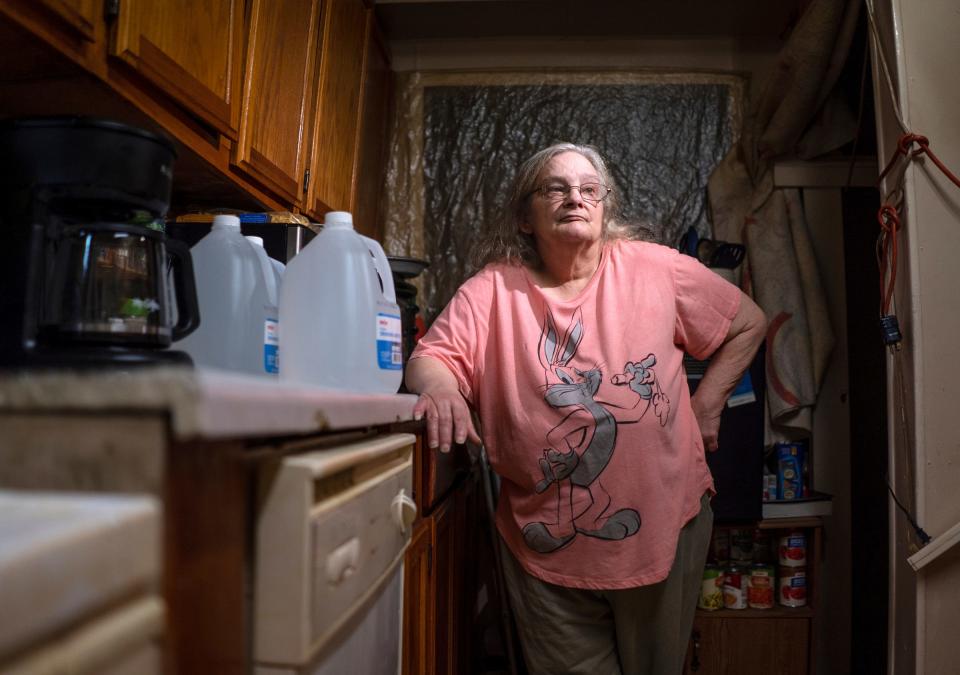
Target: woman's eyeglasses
{"x": 592, "y": 193}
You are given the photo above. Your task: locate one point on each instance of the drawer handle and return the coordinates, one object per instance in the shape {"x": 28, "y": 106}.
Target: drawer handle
{"x": 404, "y": 511}
{"x": 342, "y": 562}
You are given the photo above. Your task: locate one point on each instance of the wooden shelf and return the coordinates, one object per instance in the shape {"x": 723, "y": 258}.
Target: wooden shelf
{"x": 760, "y": 641}
{"x": 776, "y": 612}
{"x": 790, "y": 523}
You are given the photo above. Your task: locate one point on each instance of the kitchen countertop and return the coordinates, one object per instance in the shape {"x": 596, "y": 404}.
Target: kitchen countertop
{"x": 204, "y": 403}
{"x": 64, "y": 557}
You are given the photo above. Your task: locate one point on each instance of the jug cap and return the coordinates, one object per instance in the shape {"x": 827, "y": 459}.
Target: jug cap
{"x": 226, "y": 222}
{"x": 338, "y": 219}
{"x": 255, "y": 240}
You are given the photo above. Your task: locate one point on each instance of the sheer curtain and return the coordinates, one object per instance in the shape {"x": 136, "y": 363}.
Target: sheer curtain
{"x": 458, "y": 140}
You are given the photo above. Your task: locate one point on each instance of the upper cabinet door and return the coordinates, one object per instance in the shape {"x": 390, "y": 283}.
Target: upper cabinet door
{"x": 190, "y": 49}
{"x": 79, "y": 15}
{"x": 338, "y": 105}
{"x": 372, "y": 148}
{"x": 277, "y": 97}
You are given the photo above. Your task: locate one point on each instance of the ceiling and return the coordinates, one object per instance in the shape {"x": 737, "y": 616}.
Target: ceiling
{"x": 445, "y": 19}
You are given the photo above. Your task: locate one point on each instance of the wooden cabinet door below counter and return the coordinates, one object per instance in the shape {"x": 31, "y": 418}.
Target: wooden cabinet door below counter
{"x": 748, "y": 646}
{"x": 278, "y": 94}
{"x": 191, "y": 50}
{"x": 418, "y": 601}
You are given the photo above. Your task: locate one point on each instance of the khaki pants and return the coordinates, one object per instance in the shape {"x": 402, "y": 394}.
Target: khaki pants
{"x": 634, "y": 631}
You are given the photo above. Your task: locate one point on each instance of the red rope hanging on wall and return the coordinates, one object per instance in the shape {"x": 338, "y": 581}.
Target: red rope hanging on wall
{"x": 889, "y": 213}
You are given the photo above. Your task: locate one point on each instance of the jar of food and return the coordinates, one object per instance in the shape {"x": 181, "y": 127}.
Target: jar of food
{"x": 720, "y": 545}
{"x": 760, "y": 587}
{"x": 711, "y": 590}
{"x": 741, "y": 544}
{"x": 735, "y": 588}
{"x": 763, "y": 544}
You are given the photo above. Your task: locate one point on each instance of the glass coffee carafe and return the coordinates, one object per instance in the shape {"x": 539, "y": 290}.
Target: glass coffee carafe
{"x": 111, "y": 284}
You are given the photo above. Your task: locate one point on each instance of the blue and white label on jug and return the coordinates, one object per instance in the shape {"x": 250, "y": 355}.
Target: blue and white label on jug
{"x": 389, "y": 354}
{"x": 271, "y": 345}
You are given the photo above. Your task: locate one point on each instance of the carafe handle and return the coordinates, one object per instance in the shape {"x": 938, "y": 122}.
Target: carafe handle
{"x": 185, "y": 286}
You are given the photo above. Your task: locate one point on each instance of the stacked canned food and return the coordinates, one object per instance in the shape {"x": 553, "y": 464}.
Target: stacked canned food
{"x": 793, "y": 569}
{"x": 742, "y": 570}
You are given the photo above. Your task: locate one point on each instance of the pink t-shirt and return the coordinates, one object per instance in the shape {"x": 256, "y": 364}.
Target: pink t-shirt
{"x": 585, "y": 409}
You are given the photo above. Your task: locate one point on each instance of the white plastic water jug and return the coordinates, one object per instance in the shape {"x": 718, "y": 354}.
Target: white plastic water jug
{"x": 278, "y": 267}
{"x": 236, "y": 311}
{"x": 338, "y": 310}
{"x": 272, "y": 271}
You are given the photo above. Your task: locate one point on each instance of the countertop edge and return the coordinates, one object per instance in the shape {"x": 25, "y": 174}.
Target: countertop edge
{"x": 205, "y": 404}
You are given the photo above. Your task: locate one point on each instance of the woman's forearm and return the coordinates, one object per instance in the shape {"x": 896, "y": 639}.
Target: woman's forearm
{"x": 447, "y": 413}
{"x": 427, "y": 374}
{"x": 727, "y": 366}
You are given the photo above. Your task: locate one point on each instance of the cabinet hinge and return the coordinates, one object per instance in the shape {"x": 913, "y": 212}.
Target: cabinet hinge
{"x": 306, "y": 180}
{"x": 111, "y": 9}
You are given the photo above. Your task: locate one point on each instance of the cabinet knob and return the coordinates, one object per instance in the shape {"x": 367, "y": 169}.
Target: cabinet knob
{"x": 404, "y": 511}
{"x": 695, "y": 657}
{"x": 342, "y": 562}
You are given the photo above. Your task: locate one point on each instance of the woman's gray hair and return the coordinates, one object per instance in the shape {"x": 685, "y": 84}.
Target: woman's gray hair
{"x": 506, "y": 243}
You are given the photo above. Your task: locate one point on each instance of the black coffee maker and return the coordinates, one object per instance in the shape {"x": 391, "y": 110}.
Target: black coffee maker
{"x": 89, "y": 278}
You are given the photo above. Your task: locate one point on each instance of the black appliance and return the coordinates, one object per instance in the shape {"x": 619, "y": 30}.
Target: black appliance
{"x": 737, "y": 464}
{"x": 404, "y": 270}
{"x": 88, "y": 274}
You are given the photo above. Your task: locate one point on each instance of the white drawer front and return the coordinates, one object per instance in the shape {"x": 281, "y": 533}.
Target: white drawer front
{"x": 333, "y": 526}
{"x": 355, "y": 544}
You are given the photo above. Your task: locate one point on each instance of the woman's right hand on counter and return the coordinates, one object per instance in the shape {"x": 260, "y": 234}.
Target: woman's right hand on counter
{"x": 448, "y": 415}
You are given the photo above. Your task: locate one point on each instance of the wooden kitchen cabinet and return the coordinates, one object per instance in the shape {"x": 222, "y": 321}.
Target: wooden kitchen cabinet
{"x": 732, "y": 646}
{"x": 418, "y": 601}
{"x": 373, "y": 136}
{"x": 278, "y": 92}
{"x": 445, "y": 582}
{"x": 761, "y": 641}
{"x": 74, "y": 28}
{"x": 191, "y": 49}
{"x": 80, "y": 16}
{"x": 272, "y": 105}
{"x": 440, "y": 579}
{"x": 346, "y": 24}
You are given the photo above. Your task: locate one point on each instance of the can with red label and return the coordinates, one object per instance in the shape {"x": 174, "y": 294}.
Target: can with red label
{"x": 761, "y": 585}
{"x": 735, "y": 588}
{"x": 792, "y": 586}
{"x": 793, "y": 549}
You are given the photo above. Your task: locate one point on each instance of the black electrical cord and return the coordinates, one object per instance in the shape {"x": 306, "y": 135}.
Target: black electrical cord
{"x": 904, "y": 427}
{"x": 921, "y": 534}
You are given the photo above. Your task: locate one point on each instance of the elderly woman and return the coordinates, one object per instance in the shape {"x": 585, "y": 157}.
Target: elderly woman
{"x": 569, "y": 344}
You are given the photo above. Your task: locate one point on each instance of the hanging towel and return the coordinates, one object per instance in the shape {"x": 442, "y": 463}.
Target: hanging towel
{"x": 746, "y": 208}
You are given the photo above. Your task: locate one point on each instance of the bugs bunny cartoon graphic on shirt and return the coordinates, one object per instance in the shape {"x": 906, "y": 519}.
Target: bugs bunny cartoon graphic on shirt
{"x": 581, "y": 445}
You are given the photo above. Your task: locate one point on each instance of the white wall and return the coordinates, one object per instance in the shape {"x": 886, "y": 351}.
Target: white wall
{"x": 727, "y": 55}
{"x": 925, "y": 609}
